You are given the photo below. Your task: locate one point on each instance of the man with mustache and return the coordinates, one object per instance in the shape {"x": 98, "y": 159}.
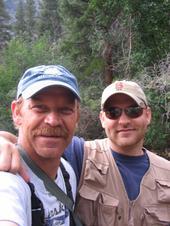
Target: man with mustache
{"x": 45, "y": 112}
{"x": 121, "y": 182}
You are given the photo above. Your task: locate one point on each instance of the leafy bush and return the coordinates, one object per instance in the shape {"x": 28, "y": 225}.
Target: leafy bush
{"x": 156, "y": 81}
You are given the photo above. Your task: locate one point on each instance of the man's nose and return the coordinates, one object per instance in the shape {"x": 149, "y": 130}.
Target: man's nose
{"x": 124, "y": 118}
{"x": 53, "y": 119}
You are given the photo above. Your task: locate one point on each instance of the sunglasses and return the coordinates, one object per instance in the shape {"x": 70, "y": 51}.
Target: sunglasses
{"x": 115, "y": 112}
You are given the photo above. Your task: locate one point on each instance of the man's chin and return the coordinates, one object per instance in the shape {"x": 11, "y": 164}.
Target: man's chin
{"x": 50, "y": 152}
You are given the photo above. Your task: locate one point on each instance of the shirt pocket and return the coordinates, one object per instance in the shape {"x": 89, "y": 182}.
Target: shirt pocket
{"x": 95, "y": 208}
{"x": 157, "y": 215}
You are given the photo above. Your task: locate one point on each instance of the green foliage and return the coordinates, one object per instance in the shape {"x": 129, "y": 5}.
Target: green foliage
{"x": 158, "y": 132}
{"x": 150, "y": 26}
{"x": 26, "y": 23}
{"x": 156, "y": 81}
{"x": 94, "y": 39}
{"x": 5, "y": 94}
{"x": 30, "y": 19}
{"x": 4, "y": 26}
{"x": 20, "y": 25}
{"x": 16, "y": 58}
{"x": 49, "y": 21}
{"x": 77, "y": 27}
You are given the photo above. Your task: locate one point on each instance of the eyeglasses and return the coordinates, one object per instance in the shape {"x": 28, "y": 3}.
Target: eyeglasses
{"x": 115, "y": 112}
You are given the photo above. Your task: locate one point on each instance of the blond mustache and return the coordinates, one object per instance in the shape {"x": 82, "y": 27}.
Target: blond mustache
{"x": 47, "y": 131}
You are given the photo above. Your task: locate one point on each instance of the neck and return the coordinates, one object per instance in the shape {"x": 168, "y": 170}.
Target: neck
{"x": 48, "y": 165}
{"x": 131, "y": 150}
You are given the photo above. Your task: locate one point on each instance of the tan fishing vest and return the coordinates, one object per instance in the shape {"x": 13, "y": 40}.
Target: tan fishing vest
{"x": 102, "y": 199}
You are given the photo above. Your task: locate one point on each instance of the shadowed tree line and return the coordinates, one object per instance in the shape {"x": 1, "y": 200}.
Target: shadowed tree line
{"x": 99, "y": 41}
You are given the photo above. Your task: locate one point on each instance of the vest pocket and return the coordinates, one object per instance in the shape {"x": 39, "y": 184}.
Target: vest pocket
{"x": 95, "y": 208}
{"x": 163, "y": 188}
{"x": 158, "y": 215}
{"x": 107, "y": 210}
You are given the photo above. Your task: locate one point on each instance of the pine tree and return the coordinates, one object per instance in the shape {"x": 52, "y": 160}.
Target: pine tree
{"x": 30, "y": 18}
{"x": 49, "y": 19}
{"x": 76, "y": 29}
{"x": 5, "y": 29}
{"x": 20, "y": 25}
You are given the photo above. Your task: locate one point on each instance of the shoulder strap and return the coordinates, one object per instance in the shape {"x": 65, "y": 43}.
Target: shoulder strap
{"x": 67, "y": 182}
{"x": 50, "y": 185}
{"x": 36, "y": 208}
{"x": 68, "y": 188}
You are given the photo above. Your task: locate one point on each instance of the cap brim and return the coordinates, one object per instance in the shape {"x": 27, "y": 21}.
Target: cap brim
{"x": 38, "y": 86}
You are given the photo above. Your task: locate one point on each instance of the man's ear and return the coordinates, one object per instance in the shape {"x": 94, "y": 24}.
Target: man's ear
{"x": 16, "y": 114}
{"x": 102, "y": 118}
{"x": 78, "y": 112}
{"x": 149, "y": 116}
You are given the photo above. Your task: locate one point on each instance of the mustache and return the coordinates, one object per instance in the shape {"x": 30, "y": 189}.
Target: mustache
{"x": 48, "y": 131}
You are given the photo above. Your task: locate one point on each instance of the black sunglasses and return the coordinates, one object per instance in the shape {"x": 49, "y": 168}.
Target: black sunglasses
{"x": 115, "y": 112}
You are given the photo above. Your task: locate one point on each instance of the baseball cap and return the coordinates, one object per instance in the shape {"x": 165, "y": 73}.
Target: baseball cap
{"x": 37, "y": 78}
{"x": 129, "y": 88}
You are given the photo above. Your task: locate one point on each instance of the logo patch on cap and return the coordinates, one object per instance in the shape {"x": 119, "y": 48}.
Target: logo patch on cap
{"x": 51, "y": 71}
{"x": 119, "y": 86}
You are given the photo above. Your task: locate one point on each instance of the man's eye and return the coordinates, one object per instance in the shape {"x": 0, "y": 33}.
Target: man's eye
{"x": 39, "y": 108}
{"x": 66, "y": 111}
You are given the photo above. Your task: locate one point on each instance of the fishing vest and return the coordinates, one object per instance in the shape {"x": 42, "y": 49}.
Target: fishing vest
{"x": 103, "y": 201}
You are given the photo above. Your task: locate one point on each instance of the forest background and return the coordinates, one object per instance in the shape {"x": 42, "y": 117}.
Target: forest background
{"x": 97, "y": 40}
